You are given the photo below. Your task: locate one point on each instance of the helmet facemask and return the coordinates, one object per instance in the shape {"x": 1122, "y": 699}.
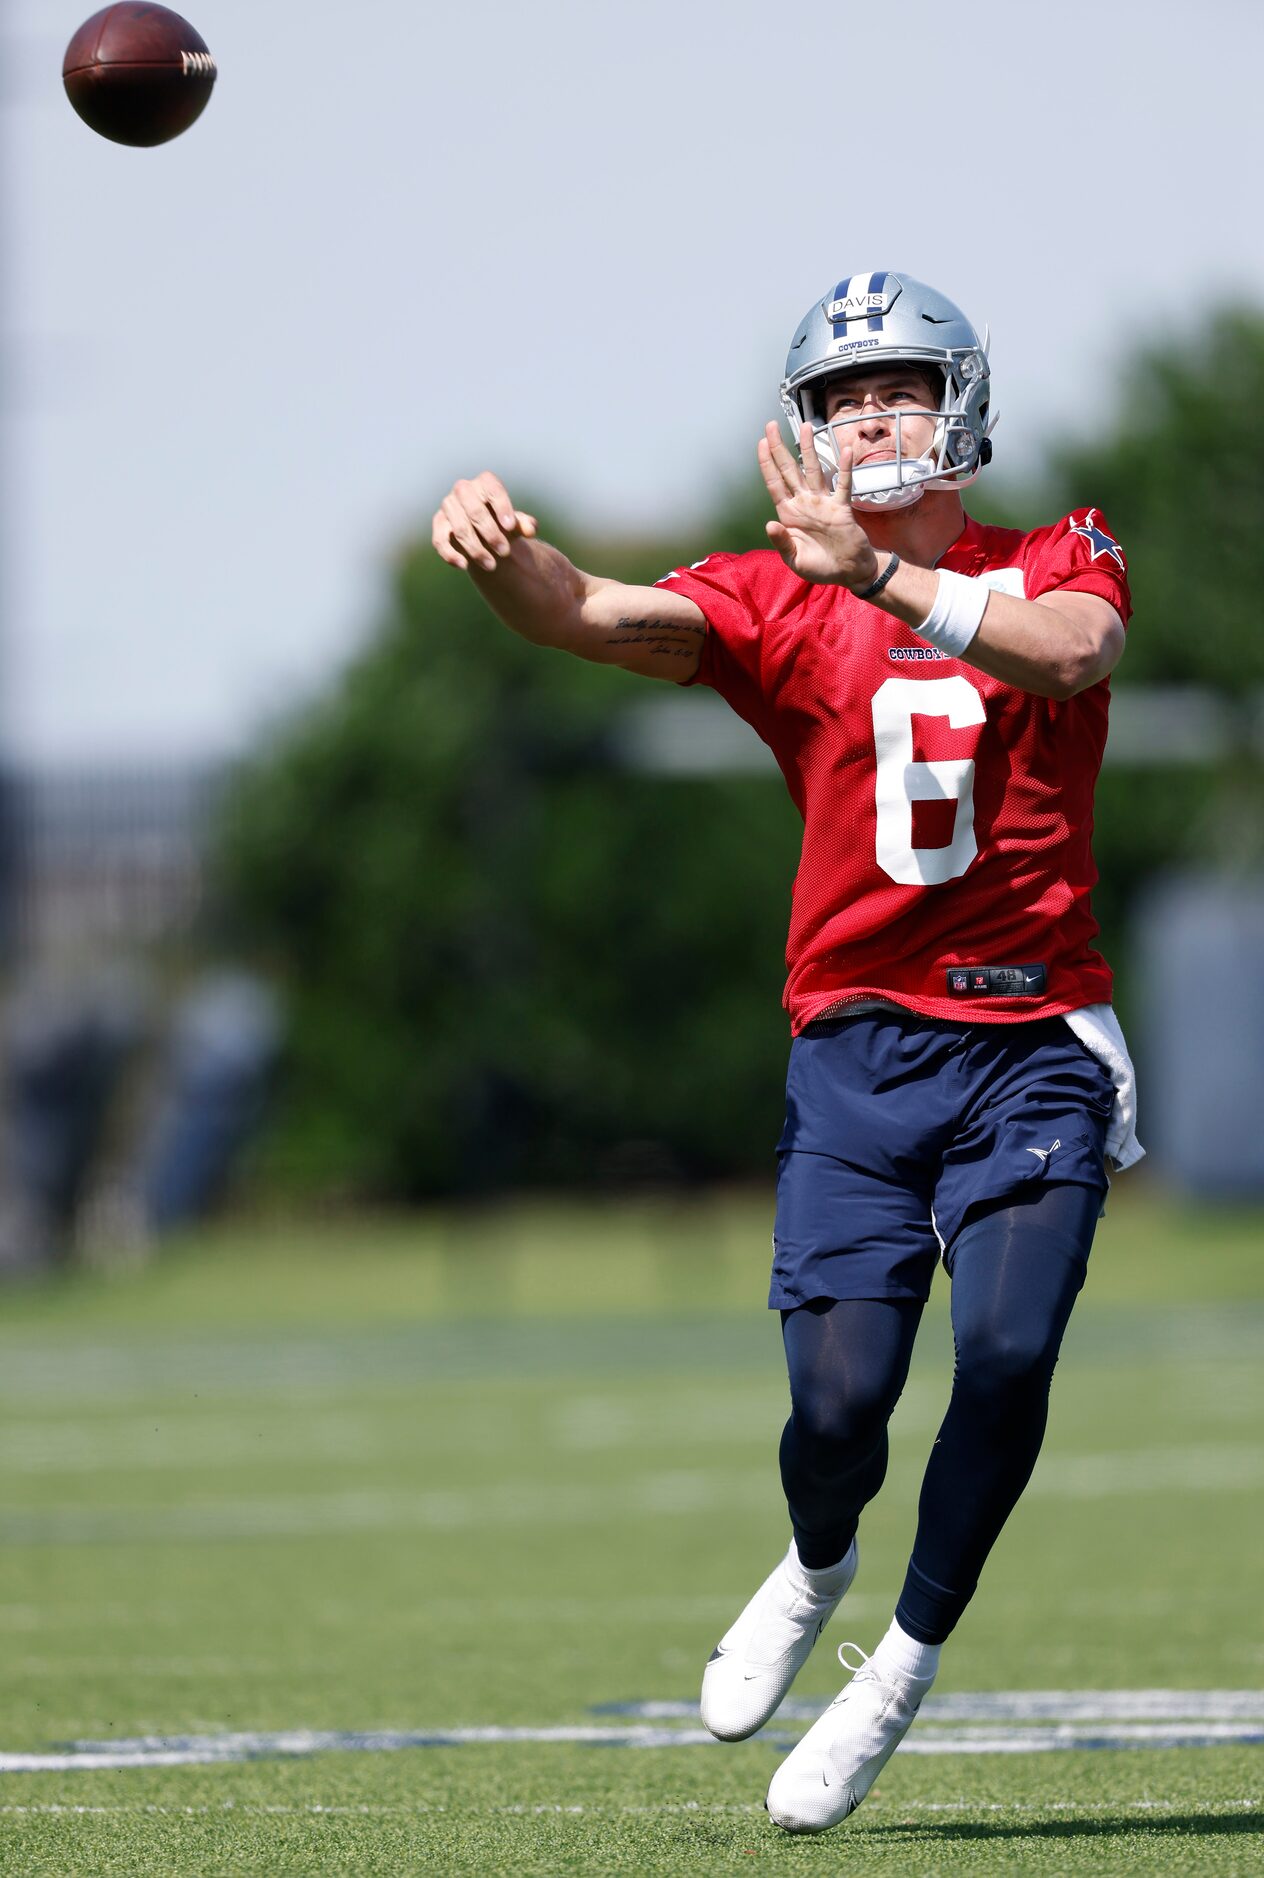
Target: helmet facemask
{"x": 957, "y": 450}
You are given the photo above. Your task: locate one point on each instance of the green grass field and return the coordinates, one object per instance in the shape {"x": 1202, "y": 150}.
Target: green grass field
{"x": 515, "y": 1471}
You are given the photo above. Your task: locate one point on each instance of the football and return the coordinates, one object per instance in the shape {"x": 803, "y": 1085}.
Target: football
{"x": 138, "y": 74}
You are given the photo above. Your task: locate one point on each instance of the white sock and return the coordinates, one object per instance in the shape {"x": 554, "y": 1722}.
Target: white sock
{"x": 830, "y": 1579}
{"x": 906, "y": 1656}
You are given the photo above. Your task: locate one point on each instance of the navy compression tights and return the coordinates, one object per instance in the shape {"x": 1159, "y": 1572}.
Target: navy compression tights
{"x": 1016, "y": 1272}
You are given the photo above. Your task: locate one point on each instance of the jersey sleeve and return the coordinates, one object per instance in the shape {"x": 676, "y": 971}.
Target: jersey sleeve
{"x": 1079, "y": 554}
{"x": 732, "y": 651}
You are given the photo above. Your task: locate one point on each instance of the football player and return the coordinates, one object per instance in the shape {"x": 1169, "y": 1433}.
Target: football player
{"x": 935, "y": 692}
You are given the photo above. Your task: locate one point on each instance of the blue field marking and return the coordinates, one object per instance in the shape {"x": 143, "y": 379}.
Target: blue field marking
{"x": 1016, "y": 1721}
{"x": 299, "y": 1743}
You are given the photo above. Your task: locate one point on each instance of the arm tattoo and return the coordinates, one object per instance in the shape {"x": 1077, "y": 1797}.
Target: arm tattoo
{"x": 677, "y": 638}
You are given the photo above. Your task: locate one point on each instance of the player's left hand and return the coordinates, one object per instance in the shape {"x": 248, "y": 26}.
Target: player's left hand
{"x": 816, "y": 532}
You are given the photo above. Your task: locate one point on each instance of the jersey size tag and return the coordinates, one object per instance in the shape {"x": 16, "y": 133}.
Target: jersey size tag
{"x": 997, "y": 981}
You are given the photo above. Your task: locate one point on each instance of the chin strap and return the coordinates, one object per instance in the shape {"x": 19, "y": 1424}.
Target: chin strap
{"x": 882, "y": 487}
{"x": 891, "y": 485}
{"x": 899, "y": 498}
{"x": 886, "y": 485}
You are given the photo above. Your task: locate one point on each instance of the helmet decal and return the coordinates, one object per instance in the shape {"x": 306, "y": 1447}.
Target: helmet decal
{"x": 859, "y": 296}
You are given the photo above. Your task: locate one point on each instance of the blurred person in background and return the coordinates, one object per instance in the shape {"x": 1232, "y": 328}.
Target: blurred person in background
{"x": 936, "y": 694}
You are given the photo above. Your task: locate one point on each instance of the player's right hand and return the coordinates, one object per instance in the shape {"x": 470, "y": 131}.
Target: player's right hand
{"x": 476, "y": 524}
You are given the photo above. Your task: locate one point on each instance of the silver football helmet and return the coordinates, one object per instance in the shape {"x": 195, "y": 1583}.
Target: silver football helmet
{"x": 878, "y": 319}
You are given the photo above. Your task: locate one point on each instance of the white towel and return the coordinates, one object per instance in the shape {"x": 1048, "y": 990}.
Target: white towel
{"x": 1098, "y": 1030}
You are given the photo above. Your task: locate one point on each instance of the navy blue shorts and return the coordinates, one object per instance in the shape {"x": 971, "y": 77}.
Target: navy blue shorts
{"x": 897, "y": 1126}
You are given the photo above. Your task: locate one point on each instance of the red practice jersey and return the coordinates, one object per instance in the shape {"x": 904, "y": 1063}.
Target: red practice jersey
{"x": 947, "y": 816}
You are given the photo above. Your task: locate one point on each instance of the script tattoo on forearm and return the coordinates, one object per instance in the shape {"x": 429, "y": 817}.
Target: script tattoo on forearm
{"x": 677, "y": 639}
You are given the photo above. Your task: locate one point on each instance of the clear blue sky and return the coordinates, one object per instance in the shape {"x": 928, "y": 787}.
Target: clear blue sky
{"x": 568, "y": 241}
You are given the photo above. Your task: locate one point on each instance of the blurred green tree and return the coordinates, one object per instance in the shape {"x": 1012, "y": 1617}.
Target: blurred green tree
{"x": 507, "y": 959}
{"x": 1179, "y": 474}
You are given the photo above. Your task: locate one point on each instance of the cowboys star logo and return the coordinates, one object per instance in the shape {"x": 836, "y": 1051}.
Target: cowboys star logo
{"x": 1097, "y": 538}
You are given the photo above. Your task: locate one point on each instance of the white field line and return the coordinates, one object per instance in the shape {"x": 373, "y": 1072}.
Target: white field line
{"x": 1057, "y": 1720}
{"x": 170, "y": 1446}
{"x": 174, "y": 1437}
{"x": 1087, "y": 1740}
{"x": 1024, "y": 1705}
{"x": 209, "y": 1750}
{"x": 1214, "y": 1469}
{"x": 213, "y": 1367}
{"x": 288, "y": 1369}
{"x": 128, "y": 1665}
{"x": 663, "y": 1608}
{"x": 172, "y": 1443}
{"x": 370, "y": 1509}
{"x": 978, "y": 1741}
{"x": 25, "y": 1619}
{"x": 296, "y": 1368}
{"x": 420, "y": 1809}
{"x": 681, "y": 1492}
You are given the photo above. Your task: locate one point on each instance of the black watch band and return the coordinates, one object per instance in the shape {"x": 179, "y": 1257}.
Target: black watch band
{"x": 875, "y": 586}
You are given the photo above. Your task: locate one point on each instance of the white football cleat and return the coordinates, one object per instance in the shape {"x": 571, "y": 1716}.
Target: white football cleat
{"x": 759, "y": 1656}
{"x": 831, "y": 1770}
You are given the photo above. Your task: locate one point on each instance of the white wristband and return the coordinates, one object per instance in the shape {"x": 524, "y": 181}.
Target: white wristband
{"x": 956, "y": 615}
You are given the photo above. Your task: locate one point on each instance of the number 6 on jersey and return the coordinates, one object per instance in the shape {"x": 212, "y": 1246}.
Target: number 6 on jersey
{"x": 901, "y": 781}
